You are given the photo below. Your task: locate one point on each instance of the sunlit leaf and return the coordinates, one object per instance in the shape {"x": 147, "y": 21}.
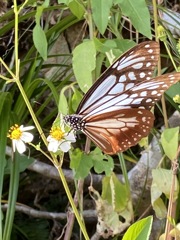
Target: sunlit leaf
{"x": 84, "y": 61}
{"x": 169, "y": 140}
{"x": 76, "y": 8}
{"x": 138, "y": 13}
{"x": 139, "y": 230}
{"x": 100, "y": 13}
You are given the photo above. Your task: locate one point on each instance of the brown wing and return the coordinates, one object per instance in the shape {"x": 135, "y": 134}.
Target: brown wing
{"x": 118, "y": 130}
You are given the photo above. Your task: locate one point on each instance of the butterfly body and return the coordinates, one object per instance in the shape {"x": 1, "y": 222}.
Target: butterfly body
{"x": 75, "y": 121}
{"x": 114, "y": 113}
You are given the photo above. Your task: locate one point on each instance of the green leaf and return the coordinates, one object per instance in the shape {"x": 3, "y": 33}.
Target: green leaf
{"x": 115, "y": 192}
{"x": 84, "y": 62}
{"x": 102, "y": 162}
{"x": 100, "y": 13}
{"x": 162, "y": 183}
{"x": 159, "y": 208}
{"x": 53, "y": 89}
{"x": 169, "y": 140}
{"x": 104, "y": 46}
{"x": 138, "y": 13}
{"x": 64, "y": 1}
{"x": 81, "y": 163}
{"x": 139, "y": 230}
{"x": 39, "y": 36}
{"x": 63, "y": 105}
{"x": 40, "y": 41}
{"x": 30, "y": 228}
{"x": 76, "y": 98}
{"x": 124, "y": 44}
{"x": 24, "y": 162}
{"x": 171, "y": 93}
{"x": 162, "y": 178}
{"x": 5, "y": 110}
{"x": 76, "y": 8}
{"x": 109, "y": 220}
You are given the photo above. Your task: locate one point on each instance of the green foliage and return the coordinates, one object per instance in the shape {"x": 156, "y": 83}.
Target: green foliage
{"x": 172, "y": 92}
{"x": 39, "y": 37}
{"x": 30, "y": 229}
{"x": 115, "y": 192}
{"x": 138, "y": 13}
{"x": 169, "y": 140}
{"x": 63, "y": 105}
{"x": 139, "y": 230}
{"x": 162, "y": 183}
{"x": 54, "y": 77}
{"x": 24, "y": 162}
{"x": 82, "y": 163}
{"x": 84, "y": 60}
{"x": 76, "y": 8}
{"x": 76, "y": 98}
{"x": 100, "y": 13}
{"x": 109, "y": 218}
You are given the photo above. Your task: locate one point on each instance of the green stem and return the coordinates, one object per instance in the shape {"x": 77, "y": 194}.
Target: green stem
{"x": 7, "y": 68}
{"x": 170, "y": 55}
{"x": 155, "y": 17}
{"x": 13, "y": 190}
{"x": 124, "y": 170}
{"x": 72, "y": 202}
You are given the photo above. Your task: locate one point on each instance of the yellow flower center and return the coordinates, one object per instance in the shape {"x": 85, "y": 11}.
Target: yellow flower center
{"x": 57, "y": 133}
{"x": 15, "y": 132}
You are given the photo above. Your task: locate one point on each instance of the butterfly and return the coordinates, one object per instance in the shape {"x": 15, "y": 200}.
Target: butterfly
{"x": 115, "y": 112}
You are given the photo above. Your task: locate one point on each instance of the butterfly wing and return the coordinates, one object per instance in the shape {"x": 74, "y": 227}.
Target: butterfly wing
{"x": 133, "y": 67}
{"x": 118, "y": 130}
{"x": 114, "y": 113}
{"x": 142, "y": 95}
{"x": 116, "y": 127}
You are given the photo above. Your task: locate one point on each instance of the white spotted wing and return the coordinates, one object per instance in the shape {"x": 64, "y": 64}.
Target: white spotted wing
{"x": 114, "y": 113}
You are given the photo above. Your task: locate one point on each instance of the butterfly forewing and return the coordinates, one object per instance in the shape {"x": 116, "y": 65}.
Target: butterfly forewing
{"x": 135, "y": 66}
{"x": 114, "y": 113}
{"x": 142, "y": 95}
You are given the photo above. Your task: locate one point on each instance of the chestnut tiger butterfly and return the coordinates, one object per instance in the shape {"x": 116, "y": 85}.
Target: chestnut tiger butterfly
{"x": 115, "y": 112}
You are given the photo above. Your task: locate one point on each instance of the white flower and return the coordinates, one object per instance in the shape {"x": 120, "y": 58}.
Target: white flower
{"x": 59, "y": 140}
{"x": 19, "y": 137}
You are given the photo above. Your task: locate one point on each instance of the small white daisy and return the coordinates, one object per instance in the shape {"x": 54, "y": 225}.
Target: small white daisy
{"x": 59, "y": 140}
{"x": 19, "y": 137}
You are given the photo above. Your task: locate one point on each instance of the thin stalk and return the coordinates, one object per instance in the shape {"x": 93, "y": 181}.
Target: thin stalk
{"x": 155, "y": 15}
{"x": 54, "y": 159}
{"x": 13, "y": 190}
{"x": 124, "y": 170}
{"x": 72, "y": 203}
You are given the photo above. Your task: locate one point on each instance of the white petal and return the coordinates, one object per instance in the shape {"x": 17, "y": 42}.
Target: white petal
{"x": 21, "y": 147}
{"x": 50, "y": 138}
{"x": 14, "y": 145}
{"x": 27, "y": 137}
{"x": 23, "y": 129}
{"x": 70, "y": 137}
{"x": 53, "y": 146}
{"x": 65, "y": 146}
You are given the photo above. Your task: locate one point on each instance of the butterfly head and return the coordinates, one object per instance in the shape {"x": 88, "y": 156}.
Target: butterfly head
{"x": 75, "y": 121}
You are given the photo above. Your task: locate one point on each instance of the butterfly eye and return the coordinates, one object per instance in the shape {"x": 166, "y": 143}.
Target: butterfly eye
{"x": 115, "y": 112}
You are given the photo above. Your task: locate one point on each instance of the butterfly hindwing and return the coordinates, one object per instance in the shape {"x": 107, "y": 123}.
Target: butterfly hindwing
{"x": 119, "y": 130}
